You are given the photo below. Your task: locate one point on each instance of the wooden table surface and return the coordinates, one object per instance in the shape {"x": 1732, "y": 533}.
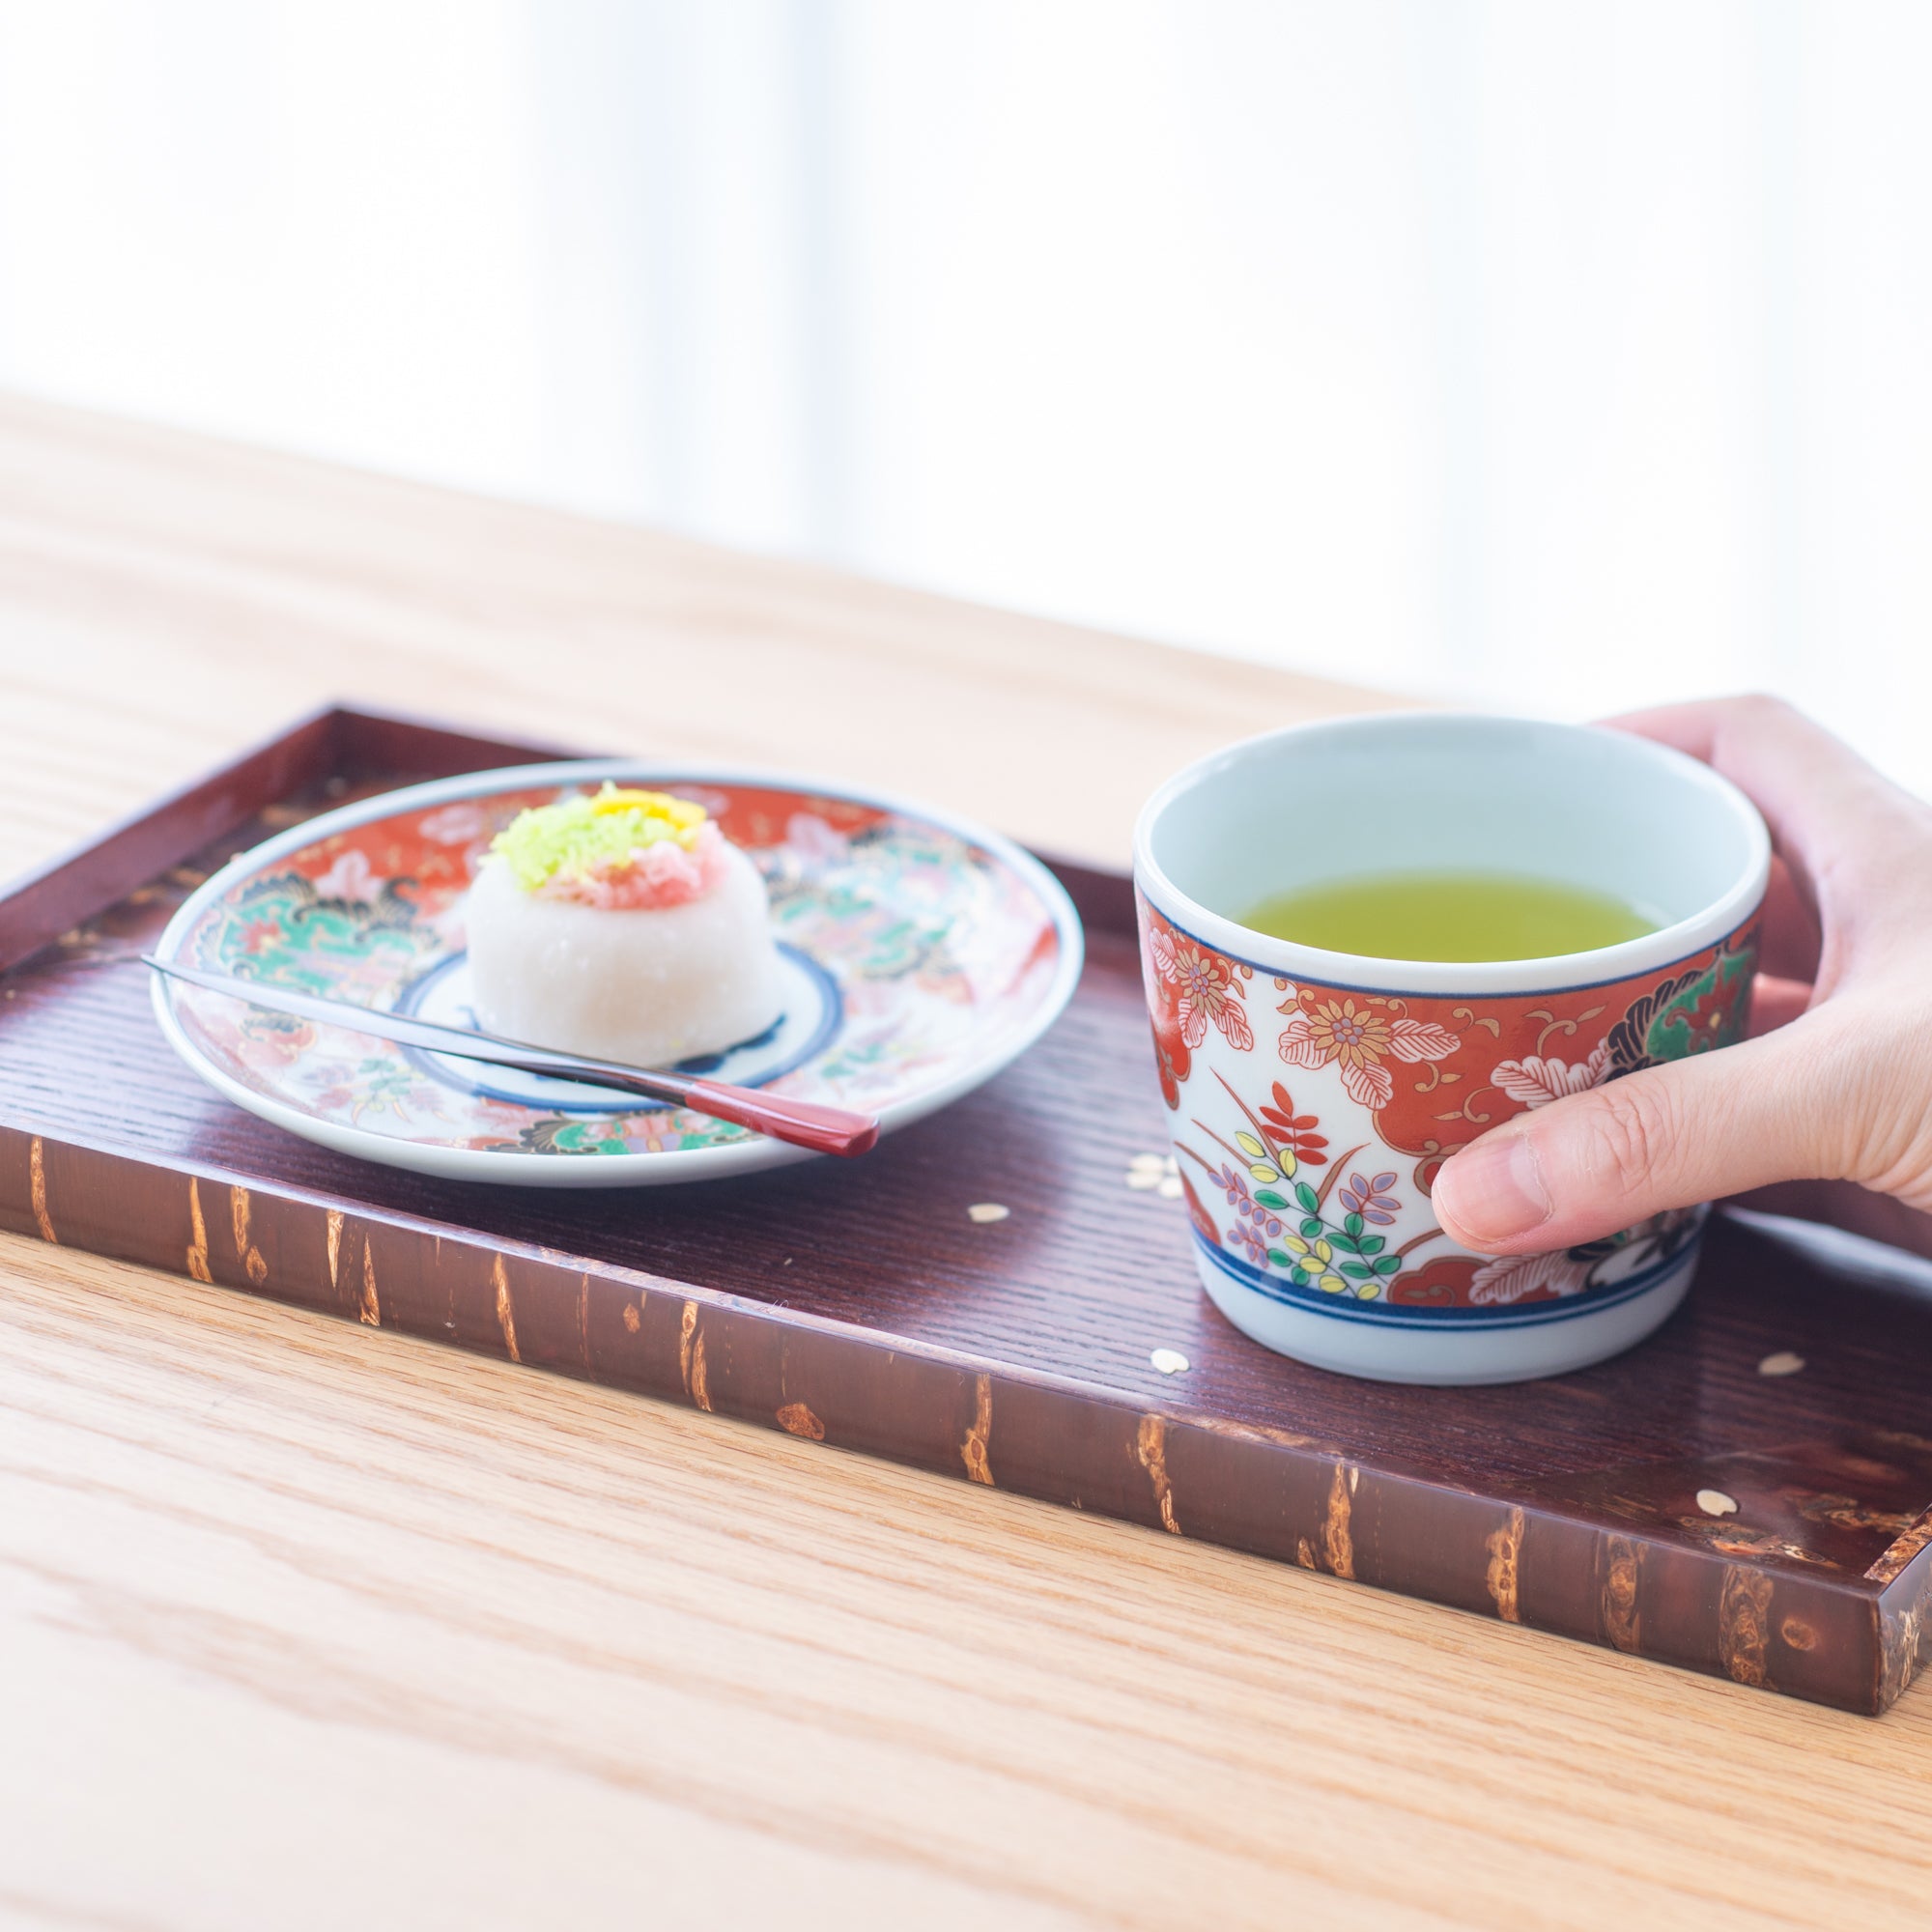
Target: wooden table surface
{"x": 304, "y": 1623}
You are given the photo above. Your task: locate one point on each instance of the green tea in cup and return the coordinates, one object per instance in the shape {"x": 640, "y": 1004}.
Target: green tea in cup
{"x": 1449, "y": 915}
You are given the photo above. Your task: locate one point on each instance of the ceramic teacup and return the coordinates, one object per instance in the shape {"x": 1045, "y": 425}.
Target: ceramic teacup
{"x": 1312, "y": 1094}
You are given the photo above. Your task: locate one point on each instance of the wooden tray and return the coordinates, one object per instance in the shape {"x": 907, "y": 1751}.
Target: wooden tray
{"x": 860, "y": 1306}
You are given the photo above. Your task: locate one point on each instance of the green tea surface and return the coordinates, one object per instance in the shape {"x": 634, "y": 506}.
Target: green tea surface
{"x": 1449, "y": 915}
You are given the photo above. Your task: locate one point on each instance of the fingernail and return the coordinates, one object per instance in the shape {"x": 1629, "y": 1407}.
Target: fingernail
{"x": 1493, "y": 1190}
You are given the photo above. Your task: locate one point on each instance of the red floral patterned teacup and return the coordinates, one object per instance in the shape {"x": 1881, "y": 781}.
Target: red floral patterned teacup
{"x": 1312, "y": 1094}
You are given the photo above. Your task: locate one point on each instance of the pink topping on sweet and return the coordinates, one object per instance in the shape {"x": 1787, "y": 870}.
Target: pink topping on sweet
{"x": 649, "y": 879}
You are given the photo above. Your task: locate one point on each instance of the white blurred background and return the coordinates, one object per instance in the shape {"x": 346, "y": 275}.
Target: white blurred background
{"x": 1555, "y": 356}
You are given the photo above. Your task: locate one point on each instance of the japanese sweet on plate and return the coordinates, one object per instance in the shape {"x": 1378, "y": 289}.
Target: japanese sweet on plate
{"x": 622, "y": 925}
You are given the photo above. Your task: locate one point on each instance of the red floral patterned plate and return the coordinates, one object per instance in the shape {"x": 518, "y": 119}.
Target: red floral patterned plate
{"x": 921, "y": 956}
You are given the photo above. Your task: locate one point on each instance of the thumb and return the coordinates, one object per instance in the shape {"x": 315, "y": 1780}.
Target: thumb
{"x": 1670, "y": 1136}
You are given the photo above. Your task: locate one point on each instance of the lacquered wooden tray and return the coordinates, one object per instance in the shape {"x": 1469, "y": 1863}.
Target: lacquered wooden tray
{"x": 861, "y": 1306}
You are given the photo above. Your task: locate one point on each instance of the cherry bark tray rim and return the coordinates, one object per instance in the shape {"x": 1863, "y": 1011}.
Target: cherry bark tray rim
{"x": 1677, "y": 1504}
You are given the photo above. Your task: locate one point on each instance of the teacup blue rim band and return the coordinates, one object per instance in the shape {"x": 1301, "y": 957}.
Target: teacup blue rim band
{"x": 1382, "y": 1314}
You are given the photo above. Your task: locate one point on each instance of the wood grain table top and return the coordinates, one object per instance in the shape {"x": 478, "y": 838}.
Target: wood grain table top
{"x": 304, "y": 1623}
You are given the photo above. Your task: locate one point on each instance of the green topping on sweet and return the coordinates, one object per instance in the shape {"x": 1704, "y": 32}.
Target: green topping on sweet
{"x": 586, "y": 837}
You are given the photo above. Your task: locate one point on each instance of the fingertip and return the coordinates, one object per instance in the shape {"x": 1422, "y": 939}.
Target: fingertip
{"x": 1690, "y": 728}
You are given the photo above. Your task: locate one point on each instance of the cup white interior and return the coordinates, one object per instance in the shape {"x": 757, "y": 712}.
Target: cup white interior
{"x": 1427, "y": 791}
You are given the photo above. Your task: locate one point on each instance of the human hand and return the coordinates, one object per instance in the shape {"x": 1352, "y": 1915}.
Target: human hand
{"x": 1824, "y": 1111}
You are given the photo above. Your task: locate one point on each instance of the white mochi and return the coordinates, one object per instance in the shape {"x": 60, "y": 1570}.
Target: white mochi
{"x": 643, "y": 987}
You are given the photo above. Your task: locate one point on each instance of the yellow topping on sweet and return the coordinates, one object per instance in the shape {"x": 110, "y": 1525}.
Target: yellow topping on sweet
{"x": 581, "y": 838}
{"x": 677, "y": 812}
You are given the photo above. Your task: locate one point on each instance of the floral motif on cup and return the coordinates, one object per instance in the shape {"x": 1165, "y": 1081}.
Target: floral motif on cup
{"x": 1535, "y": 1081}
{"x": 1284, "y": 1221}
{"x": 1472, "y": 1281}
{"x": 1357, "y": 1039}
{"x": 1188, "y": 985}
{"x": 1415, "y": 1078}
{"x": 1372, "y": 1199}
{"x": 1705, "y": 1007}
{"x": 1295, "y": 1131}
